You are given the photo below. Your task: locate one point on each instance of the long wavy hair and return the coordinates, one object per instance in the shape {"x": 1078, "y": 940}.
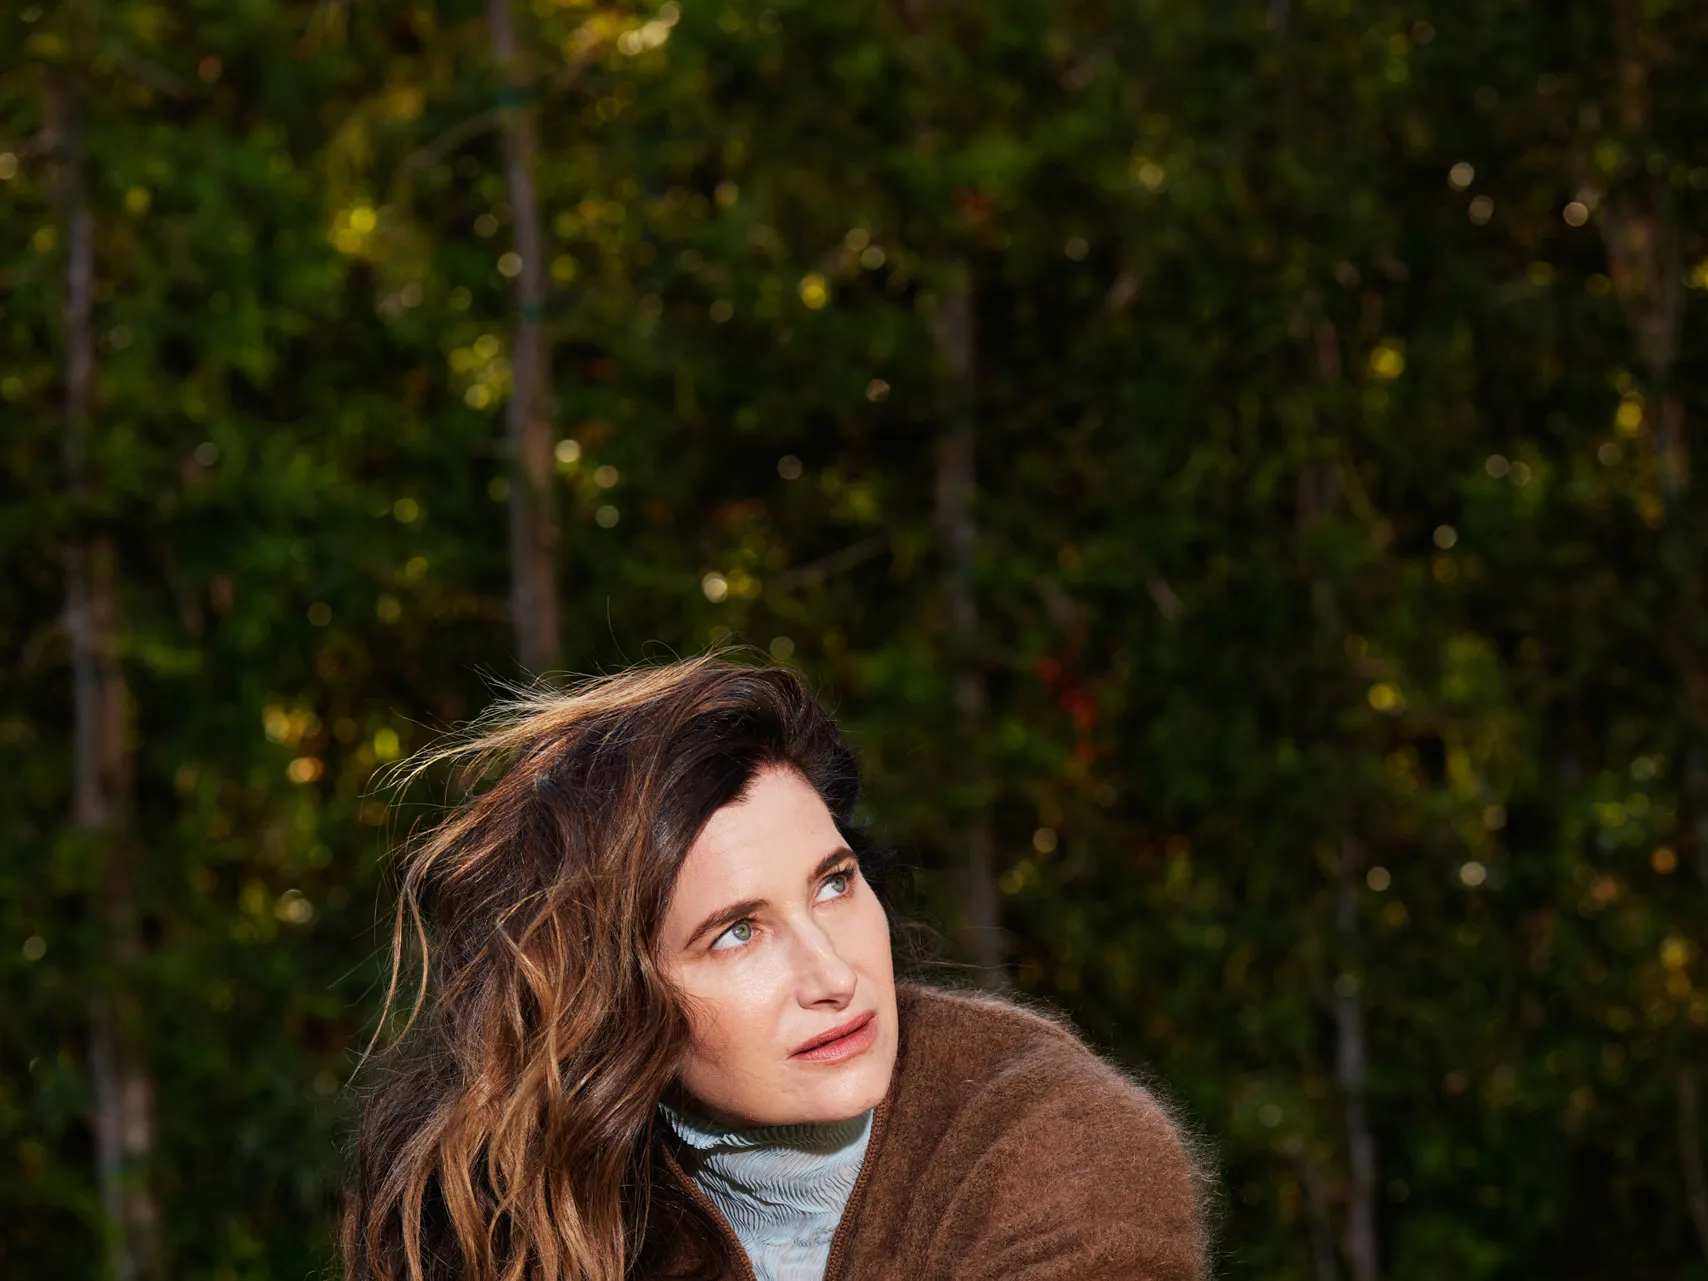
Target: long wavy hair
{"x": 508, "y": 1129}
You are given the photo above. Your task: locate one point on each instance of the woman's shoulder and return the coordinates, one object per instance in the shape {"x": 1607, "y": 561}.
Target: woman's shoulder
{"x": 981, "y": 1037}
{"x": 994, "y": 1055}
{"x": 927, "y": 1007}
{"x": 1000, "y": 1114}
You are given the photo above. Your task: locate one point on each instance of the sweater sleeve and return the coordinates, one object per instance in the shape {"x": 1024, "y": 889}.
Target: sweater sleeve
{"x": 1075, "y": 1174}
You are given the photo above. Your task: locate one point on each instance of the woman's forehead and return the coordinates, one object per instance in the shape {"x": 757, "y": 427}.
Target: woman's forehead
{"x": 778, "y": 827}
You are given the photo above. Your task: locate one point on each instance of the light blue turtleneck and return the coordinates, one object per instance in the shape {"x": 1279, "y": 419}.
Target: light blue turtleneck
{"x": 782, "y": 1187}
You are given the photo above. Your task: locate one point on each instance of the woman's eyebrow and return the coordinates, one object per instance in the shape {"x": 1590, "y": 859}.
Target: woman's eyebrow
{"x": 725, "y": 916}
{"x": 830, "y": 860}
{"x": 747, "y": 907}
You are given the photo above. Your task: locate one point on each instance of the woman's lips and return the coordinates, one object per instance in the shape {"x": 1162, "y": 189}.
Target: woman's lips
{"x": 844, "y": 1042}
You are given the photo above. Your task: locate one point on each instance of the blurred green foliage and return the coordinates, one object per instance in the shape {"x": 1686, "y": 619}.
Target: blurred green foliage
{"x": 1335, "y": 521}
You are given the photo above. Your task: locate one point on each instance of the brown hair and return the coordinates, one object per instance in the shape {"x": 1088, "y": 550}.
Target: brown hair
{"x": 509, "y": 1131}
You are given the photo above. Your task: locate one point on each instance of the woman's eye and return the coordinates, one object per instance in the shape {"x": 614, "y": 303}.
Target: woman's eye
{"x": 839, "y": 884}
{"x": 737, "y": 934}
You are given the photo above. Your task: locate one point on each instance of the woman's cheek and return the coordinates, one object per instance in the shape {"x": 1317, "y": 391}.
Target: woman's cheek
{"x": 869, "y": 936}
{"x": 737, "y": 1008}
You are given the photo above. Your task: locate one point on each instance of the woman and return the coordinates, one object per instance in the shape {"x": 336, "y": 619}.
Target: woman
{"x": 657, "y": 1033}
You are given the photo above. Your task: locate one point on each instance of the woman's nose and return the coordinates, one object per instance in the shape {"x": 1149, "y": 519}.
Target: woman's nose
{"x": 824, "y": 976}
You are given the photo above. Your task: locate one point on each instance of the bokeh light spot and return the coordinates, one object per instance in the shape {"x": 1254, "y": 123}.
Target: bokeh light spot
{"x": 813, "y": 290}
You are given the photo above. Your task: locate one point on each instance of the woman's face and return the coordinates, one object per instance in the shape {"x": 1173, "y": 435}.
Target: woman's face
{"x": 779, "y": 943}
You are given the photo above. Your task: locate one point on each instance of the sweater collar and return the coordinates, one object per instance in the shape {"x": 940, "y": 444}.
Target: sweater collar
{"x": 782, "y": 1189}
{"x": 808, "y": 1138}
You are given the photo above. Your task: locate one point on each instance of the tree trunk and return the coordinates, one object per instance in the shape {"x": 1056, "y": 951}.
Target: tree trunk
{"x": 1349, "y": 1071}
{"x": 1646, "y": 267}
{"x": 534, "y": 533}
{"x": 957, "y": 525}
{"x": 1690, "y": 1156}
{"x": 1645, "y": 263}
{"x": 101, "y": 767}
{"x": 1316, "y": 1213}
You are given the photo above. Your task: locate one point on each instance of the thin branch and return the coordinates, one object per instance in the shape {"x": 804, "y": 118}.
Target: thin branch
{"x": 425, "y": 157}
{"x": 428, "y": 156}
{"x": 838, "y": 562}
{"x": 1163, "y": 596}
{"x": 145, "y": 69}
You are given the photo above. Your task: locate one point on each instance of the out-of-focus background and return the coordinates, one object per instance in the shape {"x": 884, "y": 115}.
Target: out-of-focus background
{"x": 1228, "y": 463}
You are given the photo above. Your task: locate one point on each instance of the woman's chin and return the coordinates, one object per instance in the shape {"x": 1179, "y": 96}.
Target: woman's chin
{"x": 854, "y": 1088}
{"x": 820, "y": 1097}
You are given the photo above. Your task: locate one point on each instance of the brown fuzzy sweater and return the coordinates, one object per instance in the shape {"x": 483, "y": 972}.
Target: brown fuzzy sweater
{"x": 1008, "y": 1151}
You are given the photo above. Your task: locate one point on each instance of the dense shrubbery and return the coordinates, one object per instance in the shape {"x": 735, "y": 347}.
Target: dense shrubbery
{"x": 1321, "y": 648}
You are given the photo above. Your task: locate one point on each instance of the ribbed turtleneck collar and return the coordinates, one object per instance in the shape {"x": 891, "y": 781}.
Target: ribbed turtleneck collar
{"x": 782, "y": 1188}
